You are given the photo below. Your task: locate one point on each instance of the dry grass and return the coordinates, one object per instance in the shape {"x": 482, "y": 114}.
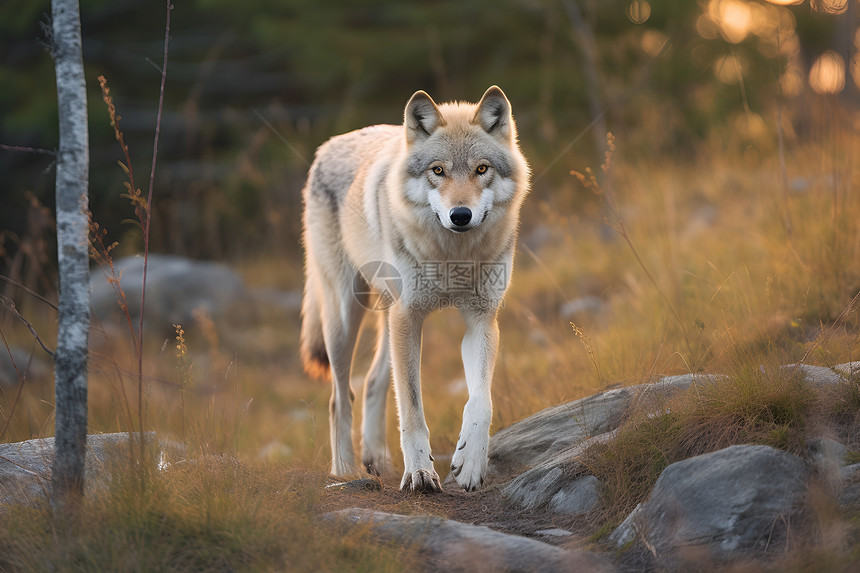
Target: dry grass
{"x": 212, "y": 514}
{"x": 733, "y": 289}
{"x": 772, "y": 406}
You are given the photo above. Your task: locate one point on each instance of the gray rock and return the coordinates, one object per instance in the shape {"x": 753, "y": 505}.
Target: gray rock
{"x": 577, "y": 497}
{"x": 848, "y": 368}
{"x": 726, "y": 505}
{"x": 35, "y": 366}
{"x": 290, "y": 300}
{"x": 558, "y": 483}
{"x": 362, "y": 484}
{"x": 554, "y": 532}
{"x": 25, "y": 467}
{"x": 817, "y": 374}
{"x": 583, "y": 306}
{"x": 453, "y": 546}
{"x": 175, "y": 287}
{"x": 553, "y": 430}
{"x": 544, "y": 435}
{"x": 849, "y": 496}
{"x": 629, "y": 529}
{"x": 534, "y": 488}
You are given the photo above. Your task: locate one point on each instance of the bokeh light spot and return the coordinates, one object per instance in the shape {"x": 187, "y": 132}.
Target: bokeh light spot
{"x": 827, "y": 74}
{"x": 639, "y": 11}
{"x": 735, "y": 19}
{"x": 830, "y": 6}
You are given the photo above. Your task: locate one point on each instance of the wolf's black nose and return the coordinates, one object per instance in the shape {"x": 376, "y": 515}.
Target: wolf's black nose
{"x": 460, "y": 216}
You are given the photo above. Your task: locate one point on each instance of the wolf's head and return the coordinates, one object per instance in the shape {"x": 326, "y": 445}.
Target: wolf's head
{"x": 463, "y": 161}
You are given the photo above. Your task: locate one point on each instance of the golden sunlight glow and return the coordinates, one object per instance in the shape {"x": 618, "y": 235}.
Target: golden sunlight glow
{"x": 728, "y": 69}
{"x": 706, "y": 27}
{"x": 831, "y": 6}
{"x": 827, "y": 74}
{"x": 639, "y": 11}
{"x": 785, "y": 2}
{"x": 791, "y": 81}
{"x": 653, "y": 42}
{"x": 734, "y": 18}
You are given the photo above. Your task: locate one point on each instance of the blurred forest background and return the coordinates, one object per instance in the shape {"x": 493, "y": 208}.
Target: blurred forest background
{"x": 734, "y": 126}
{"x": 667, "y": 77}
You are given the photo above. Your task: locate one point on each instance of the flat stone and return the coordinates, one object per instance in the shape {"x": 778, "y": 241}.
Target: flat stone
{"x": 579, "y": 307}
{"x": 451, "y": 546}
{"x": 544, "y": 435}
{"x": 848, "y": 368}
{"x": 817, "y": 374}
{"x": 555, "y": 532}
{"x": 25, "y": 467}
{"x": 175, "y": 288}
{"x": 35, "y": 365}
{"x": 363, "y": 484}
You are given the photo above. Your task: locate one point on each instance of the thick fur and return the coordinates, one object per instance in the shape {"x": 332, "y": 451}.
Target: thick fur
{"x": 398, "y": 194}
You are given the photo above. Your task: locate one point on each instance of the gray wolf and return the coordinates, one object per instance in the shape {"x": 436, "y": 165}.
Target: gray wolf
{"x": 442, "y": 191}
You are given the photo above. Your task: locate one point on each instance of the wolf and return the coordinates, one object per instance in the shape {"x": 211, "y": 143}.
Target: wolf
{"x": 390, "y": 215}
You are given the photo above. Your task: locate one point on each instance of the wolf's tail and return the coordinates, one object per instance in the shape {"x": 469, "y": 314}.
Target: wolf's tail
{"x": 313, "y": 353}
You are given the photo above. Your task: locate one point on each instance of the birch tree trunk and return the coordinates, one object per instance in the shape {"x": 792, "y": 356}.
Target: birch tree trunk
{"x": 70, "y": 370}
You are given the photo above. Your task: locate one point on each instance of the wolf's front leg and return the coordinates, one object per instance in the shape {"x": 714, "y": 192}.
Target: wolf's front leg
{"x": 480, "y": 344}
{"x": 405, "y": 331}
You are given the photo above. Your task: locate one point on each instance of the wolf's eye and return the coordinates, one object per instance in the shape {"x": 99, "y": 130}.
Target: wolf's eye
{"x": 481, "y": 169}
{"x": 438, "y": 170}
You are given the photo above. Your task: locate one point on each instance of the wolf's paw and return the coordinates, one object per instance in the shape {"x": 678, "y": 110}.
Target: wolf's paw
{"x": 377, "y": 463}
{"x": 421, "y": 481}
{"x": 469, "y": 468}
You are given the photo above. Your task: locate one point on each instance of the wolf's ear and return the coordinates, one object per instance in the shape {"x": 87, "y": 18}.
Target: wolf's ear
{"x": 494, "y": 113}
{"x": 421, "y": 117}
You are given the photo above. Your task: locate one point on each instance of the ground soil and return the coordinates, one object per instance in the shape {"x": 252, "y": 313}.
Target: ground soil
{"x": 485, "y": 507}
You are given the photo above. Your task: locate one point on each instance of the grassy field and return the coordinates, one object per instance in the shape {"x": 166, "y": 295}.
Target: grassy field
{"x": 734, "y": 262}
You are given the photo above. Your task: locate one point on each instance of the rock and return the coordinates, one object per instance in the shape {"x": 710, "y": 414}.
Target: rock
{"x": 533, "y": 489}
{"x": 557, "y": 483}
{"x": 290, "y": 301}
{"x": 453, "y": 546}
{"x": 274, "y": 450}
{"x": 542, "y": 436}
{"x": 848, "y": 368}
{"x": 362, "y": 484}
{"x": 577, "y": 497}
{"x": 554, "y": 532}
{"x": 727, "y": 505}
{"x": 827, "y": 375}
{"x": 817, "y": 374}
{"x": 629, "y": 529}
{"x": 31, "y": 366}
{"x": 175, "y": 288}
{"x": 849, "y": 496}
{"x": 579, "y": 307}
{"x": 25, "y": 467}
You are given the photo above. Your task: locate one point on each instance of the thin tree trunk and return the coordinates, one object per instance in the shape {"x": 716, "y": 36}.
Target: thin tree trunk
{"x": 70, "y": 376}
